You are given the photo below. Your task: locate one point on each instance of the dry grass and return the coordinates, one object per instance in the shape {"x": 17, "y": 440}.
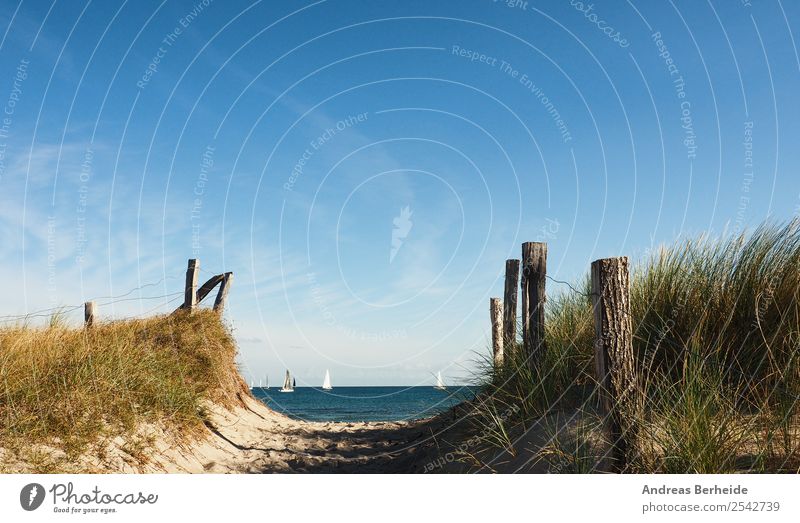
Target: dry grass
{"x": 71, "y": 388}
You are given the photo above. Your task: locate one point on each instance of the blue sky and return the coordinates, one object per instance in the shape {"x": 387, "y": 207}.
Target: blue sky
{"x": 283, "y": 141}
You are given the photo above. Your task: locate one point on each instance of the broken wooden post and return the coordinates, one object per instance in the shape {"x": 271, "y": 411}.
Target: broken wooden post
{"x": 208, "y": 286}
{"x": 510, "y": 305}
{"x": 190, "y": 296}
{"x": 222, "y": 295}
{"x": 496, "y": 315}
{"x": 89, "y": 310}
{"x": 534, "y": 272}
{"x": 613, "y": 352}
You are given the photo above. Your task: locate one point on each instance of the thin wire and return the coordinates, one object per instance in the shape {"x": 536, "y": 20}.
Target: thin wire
{"x": 147, "y": 312}
{"x": 69, "y": 308}
{"x": 161, "y": 305}
{"x": 137, "y": 289}
{"x": 142, "y": 298}
{"x": 62, "y": 310}
{"x": 571, "y": 287}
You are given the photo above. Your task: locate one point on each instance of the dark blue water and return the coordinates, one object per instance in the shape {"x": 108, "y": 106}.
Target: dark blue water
{"x": 363, "y": 403}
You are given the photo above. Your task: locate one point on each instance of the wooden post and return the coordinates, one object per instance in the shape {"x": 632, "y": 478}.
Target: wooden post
{"x": 613, "y": 350}
{"x": 222, "y": 295}
{"x": 510, "y": 304}
{"x": 89, "y": 310}
{"x": 208, "y": 286}
{"x": 496, "y": 315}
{"x": 534, "y": 272}
{"x": 190, "y": 297}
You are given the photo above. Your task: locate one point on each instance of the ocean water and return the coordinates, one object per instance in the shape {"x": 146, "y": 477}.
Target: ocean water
{"x": 363, "y": 403}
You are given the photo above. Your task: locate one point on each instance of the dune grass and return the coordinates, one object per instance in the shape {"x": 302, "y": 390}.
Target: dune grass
{"x": 69, "y": 388}
{"x": 716, "y": 341}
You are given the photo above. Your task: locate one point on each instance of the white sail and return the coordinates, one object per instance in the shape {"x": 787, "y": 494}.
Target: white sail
{"x": 287, "y": 383}
{"x": 326, "y": 384}
{"x": 439, "y": 382}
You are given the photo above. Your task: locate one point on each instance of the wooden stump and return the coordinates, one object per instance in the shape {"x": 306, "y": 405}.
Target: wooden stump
{"x": 534, "y": 273}
{"x": 614, "y": 361}
{"x": 222, "y": 295}
{"x": 496, "y": 315}
{"x": 190, "y": 296}
{"x": 89, "y": 311}
{"x": 510, "y": 305}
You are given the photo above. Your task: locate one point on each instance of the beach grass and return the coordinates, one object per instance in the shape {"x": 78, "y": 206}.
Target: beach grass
{"x": 716, "y": 342}
{"x": 69, "y": 389}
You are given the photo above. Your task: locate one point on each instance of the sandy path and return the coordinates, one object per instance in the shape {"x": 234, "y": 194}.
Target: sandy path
{"x": 252, "y": 438}
{"x": 256, "y": 439}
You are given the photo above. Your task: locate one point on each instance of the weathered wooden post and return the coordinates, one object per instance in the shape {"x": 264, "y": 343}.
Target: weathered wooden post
{"x": 613, "y": 352}
{"x": 89, "y": 310}
{"x": 190, "y": 297}
{"x": 510, "y": 305}
{"x": 496, "y": 315}
{"x": 534, "y": 272}
{"x": 222, "y": 295}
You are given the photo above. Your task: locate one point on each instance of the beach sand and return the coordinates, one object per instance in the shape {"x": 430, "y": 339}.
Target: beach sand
{"x": 255, "y": 439}
{"x": 252, "y": 438}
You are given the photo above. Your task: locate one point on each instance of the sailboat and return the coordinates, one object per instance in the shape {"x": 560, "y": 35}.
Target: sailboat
{"x": 267, "y": 385}
{"x": 326, "y": 384}
{"x": 288, "y": 385}
{"x": 251, "y": 384}
{"x": 439, "y": 382}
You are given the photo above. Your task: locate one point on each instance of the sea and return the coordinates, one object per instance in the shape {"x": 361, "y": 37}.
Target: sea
{"x": 352, "y": 404}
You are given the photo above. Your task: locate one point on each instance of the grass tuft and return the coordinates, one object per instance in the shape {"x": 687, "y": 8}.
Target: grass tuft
{"x": 69, "y": 388}
{"x": 716, "y": 338}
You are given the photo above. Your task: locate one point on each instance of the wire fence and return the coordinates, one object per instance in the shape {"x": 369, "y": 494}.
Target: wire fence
{"x": 164, "y": 300}
{"x": 66, "y": 309}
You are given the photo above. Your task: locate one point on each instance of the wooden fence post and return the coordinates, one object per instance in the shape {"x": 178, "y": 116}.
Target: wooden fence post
{"x": 89, "y": 310}
{"x": 222, "y": 295}
{"x": 496, "y": 315}
{"x": 190, "y": 297}
{"x": 534, "y": 272}
{"x": 510, "y": 304}
{"x": 613, "y": 351}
